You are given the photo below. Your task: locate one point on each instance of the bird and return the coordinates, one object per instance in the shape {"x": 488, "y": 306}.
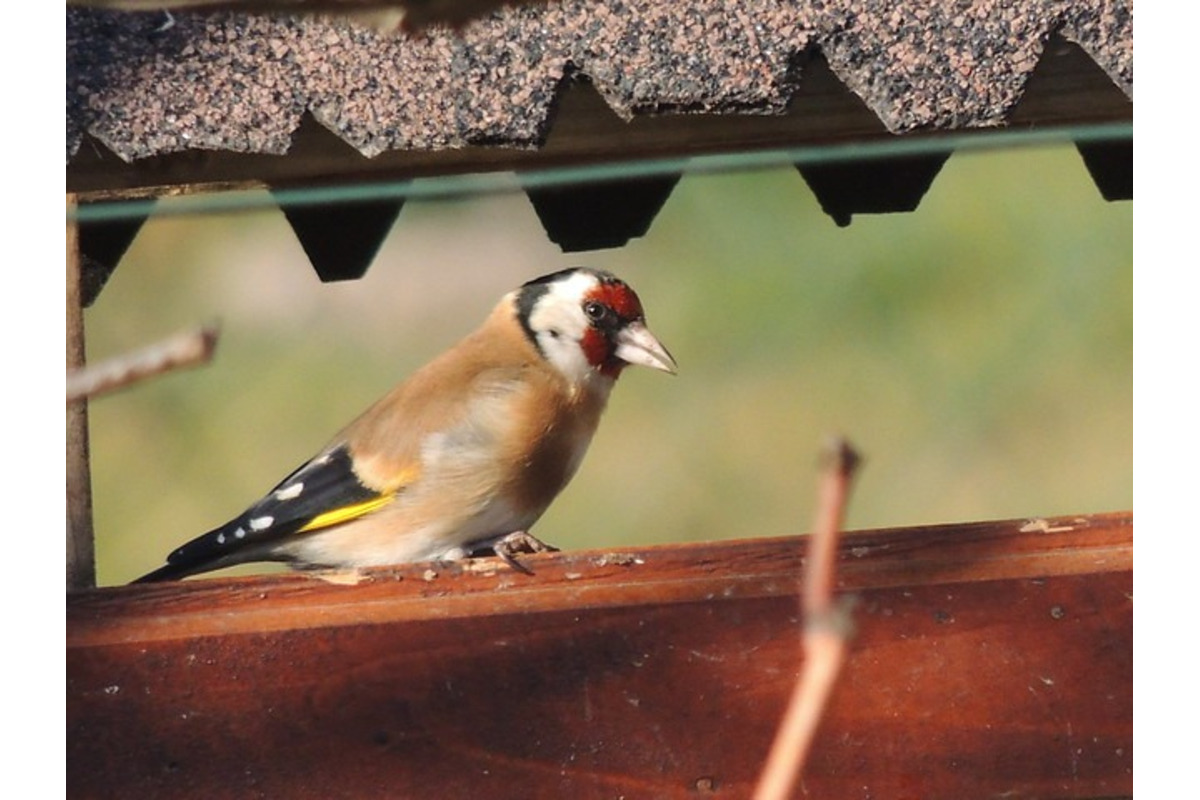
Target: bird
{"x": 465, "y": 455}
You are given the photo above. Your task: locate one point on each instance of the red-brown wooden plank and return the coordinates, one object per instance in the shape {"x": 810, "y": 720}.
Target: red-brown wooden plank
{"x": 990, "y": 659}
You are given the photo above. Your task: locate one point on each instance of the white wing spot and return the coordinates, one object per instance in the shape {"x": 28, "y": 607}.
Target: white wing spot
{"x": 240, "y": 533}
{"x": 220, "y": 538}
{"x": 259, "y": 524}
{"x": 290, "y": 492}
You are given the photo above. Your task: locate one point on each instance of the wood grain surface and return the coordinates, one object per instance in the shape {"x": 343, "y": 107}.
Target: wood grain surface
{"x": 990, "y": 659}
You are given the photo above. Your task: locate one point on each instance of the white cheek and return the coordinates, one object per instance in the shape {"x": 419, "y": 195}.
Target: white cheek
{"x": 560, "y": 328}
{"x": 567, "y": 355}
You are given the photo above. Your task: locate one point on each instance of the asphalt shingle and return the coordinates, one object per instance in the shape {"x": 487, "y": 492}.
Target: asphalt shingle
{"x": 241, "y": 83}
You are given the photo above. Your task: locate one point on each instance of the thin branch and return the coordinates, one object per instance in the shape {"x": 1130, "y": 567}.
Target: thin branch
{"x": 187, "y": 349}
{"x": 827, "y": 628}
{"x": 840, "y": 462}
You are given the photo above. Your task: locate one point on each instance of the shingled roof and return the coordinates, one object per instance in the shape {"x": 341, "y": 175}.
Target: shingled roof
{"x": 145, "y": 85}
{"x": 207, "y": 99}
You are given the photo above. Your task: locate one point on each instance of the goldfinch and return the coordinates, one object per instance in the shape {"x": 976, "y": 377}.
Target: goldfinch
{"x": 465, "y": 455}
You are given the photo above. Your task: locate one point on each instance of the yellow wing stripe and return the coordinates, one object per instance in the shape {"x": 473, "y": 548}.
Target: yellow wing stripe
{"x": 346, "y": 513}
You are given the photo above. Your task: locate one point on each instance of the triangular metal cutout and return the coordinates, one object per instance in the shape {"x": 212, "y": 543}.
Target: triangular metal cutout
{"x": 1067, "y": 85}
{"x": 342, "y": 239}
{"x": 873, "y": 186}
{"x": 101, "y": 247}
{"x": 1111, "y": 166}
{"x": 869, "y": 186}
{"x": 600, "y": 215}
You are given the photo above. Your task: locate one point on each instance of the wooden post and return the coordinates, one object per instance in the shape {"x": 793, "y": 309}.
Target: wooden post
{"x": 81, "y": 555}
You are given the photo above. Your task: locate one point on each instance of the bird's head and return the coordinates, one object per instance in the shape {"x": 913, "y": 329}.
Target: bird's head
{"x": 586, "y": 321}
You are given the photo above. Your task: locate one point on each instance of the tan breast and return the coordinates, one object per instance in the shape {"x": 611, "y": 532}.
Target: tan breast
{"x": 555, "y": 426}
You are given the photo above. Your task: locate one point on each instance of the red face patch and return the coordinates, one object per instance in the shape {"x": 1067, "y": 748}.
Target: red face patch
{"x": 599, "y": 352}
{"x": 619, "y": 297}
{"x": 597, "y": 343}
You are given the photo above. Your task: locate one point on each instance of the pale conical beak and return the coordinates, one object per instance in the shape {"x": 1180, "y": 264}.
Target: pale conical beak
{"x": 637, "y": 345}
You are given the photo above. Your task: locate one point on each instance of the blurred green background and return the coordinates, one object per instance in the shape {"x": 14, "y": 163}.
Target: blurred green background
{"x": 977, "y": 351}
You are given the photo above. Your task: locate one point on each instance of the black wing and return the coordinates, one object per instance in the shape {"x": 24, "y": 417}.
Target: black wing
{"x": 322, "y": 492}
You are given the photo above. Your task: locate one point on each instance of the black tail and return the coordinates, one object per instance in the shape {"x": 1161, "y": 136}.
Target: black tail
{"x": 221, "y": 547}
{"x": 202, "y": 554}
{"x": 170, "y": 572}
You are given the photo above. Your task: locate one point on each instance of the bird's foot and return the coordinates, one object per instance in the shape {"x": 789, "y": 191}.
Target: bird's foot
{"x": 509, "y": 546}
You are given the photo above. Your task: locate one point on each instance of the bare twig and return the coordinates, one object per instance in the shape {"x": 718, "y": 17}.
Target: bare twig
{"x": 826, "y": 632}
{"x": 187, "y": 349}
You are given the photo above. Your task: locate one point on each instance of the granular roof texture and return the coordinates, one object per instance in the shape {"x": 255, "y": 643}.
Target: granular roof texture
{"x": 145, "y": 84}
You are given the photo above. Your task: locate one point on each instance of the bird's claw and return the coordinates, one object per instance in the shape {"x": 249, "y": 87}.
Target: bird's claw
{"x": 519, "y": 542}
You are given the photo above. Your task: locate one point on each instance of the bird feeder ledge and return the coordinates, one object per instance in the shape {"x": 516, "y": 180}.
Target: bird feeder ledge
{"x": 989, "y": 658}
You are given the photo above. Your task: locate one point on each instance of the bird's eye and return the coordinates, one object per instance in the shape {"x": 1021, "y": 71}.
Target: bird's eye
{"x": 596, "y": 311}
